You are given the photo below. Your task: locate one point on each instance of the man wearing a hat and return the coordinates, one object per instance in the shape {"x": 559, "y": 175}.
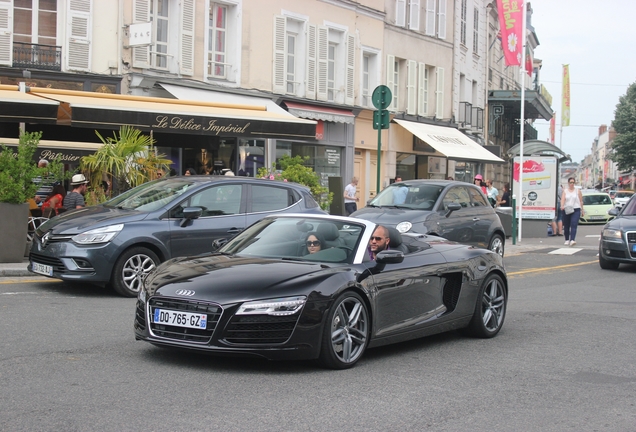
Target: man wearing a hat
{"x": 75, "y": 199}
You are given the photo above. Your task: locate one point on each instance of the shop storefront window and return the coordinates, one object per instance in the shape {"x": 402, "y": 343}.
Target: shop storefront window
{"x": 324, "y": 160}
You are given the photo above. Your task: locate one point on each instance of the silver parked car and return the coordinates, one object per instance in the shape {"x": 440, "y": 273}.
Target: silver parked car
{"x": 122, "y": 240}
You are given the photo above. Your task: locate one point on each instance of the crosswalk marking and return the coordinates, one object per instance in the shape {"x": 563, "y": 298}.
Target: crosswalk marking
{"x": 565, "y": 251}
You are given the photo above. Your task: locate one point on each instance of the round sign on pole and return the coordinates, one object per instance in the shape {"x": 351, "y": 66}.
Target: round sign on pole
{"x": 381, "y": 97}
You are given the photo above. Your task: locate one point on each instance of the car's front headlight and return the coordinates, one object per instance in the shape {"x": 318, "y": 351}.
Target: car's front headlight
{"x": 98, "y": 235}
{"x": 403, "y": 227}
{"x": 276, "y": 307}
{"x": 142, "y": 295}
{"x": 612, "y": 234}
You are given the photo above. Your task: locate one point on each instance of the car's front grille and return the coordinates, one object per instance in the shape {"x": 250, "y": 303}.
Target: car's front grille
{"x": 631, "y": 241}
{"x": 50, "y": 239}
{"x": 213, "y": 312}
{"x": 260, "y": 329}
{"x": 54, "y": 262}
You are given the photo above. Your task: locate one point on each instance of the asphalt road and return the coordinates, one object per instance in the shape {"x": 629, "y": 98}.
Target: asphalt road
{"x": 563, "y": 361}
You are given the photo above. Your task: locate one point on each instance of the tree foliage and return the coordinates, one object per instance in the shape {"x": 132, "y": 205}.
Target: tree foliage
{"x": 624, "y": 145}
{"x": 293, "y": 169}
{"x": 129, "y": 160}
{"x": 18, "y": 170}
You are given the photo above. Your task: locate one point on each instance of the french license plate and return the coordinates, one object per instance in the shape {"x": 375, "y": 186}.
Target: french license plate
{"x": 634, "y": 248}
{"x": 180, "y": 319}
{"x": 41, "y": 269}
{"x": 597, "y": 217}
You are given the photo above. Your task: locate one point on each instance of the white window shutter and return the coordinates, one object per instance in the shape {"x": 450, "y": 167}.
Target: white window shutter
{"x": 422, "y": 90}
{"x": 414, "y": 15}
{"x": 312, "y": 62}
{"x": 280, "y": 30}
{"x": 400, "y": 13}
{"x": 323, "y": 52}
{"x": 441, "y": 17}
{"x": 141, "y": 14}
{"x": 78, "y": 35}
{"x": 351, "y": 63}
{"x": 430, "y": 17}
{"x": 390, "y": 82}
{"x": 439, "y": 94}
{"x": 411, "y": 88}
{"x": 6, "y": 33}
{"x": 186, "y": 38}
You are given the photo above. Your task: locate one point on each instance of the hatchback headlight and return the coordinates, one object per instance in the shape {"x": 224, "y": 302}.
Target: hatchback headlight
{"x": 612, "y": 234}
{"x": 403, "y": 227}
{"x": 98, "y": 235}
{"x": 276, "y": 307}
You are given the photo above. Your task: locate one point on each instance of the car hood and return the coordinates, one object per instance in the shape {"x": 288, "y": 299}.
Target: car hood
{"x": 624, "y": 223}
{"x": 391, "y": 216}
{"x": 80, "y": 220}
{"x": 229, "y": 279}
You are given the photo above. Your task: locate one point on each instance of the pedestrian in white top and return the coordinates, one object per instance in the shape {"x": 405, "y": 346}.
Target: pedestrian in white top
{"x": 491, "y": 192}
{"x": 350, "y": 199}
{"x": 572, "y": 206}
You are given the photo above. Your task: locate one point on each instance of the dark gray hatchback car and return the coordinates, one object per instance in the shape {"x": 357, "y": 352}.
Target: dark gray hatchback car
{"x": 120, "y": 241}
{"x": 454, "y": 210}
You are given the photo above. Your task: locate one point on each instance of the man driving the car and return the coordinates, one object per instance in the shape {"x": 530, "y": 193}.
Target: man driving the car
{"x": 379, "y": 241}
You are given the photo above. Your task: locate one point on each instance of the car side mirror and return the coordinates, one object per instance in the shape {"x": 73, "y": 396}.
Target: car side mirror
{"x": 451, "y": 207}
{"x": 613, "y": 211}
{"x": 389, "y": 257}
{"x": 190, "y": 213}
{"x": 218, "y": 243}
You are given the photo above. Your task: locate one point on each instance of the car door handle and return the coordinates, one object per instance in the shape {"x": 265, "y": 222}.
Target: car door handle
{"x": 234, "y": 230}
{"x": 476, "y": 219}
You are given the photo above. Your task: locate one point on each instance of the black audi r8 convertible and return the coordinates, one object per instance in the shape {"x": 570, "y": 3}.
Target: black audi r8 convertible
{"x": 264, "y": 294}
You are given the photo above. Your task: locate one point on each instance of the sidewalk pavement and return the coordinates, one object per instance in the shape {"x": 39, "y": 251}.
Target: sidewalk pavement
{"x": 587, "y": 238}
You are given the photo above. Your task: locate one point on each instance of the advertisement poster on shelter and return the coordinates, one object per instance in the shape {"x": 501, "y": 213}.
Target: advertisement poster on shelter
{"x": 539, "y": 182}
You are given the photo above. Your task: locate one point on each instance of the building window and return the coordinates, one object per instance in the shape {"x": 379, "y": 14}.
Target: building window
{"x": 217, "y": 45}
{"x": 462, "y": 23}
{"x": 423, "y": 86}
{"x": 476, "y": 31}
{"x": 414, "y": 14}
{"x": 396, "y": 84}
{"x": 291, "y": 63}
{"x": 331, "y": 72}
{"x": 159, "y": 15}
{"x": 370, "y": 73}
{"x": 366, "y": 91}
{"x": 35, "y": 21}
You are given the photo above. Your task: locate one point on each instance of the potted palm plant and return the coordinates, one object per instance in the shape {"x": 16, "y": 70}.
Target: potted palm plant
{"x": 17, "y": 171}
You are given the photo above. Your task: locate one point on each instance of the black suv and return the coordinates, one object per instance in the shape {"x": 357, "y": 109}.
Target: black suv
{"x": 120, "y": 241}
{"x": 454, "y": 210}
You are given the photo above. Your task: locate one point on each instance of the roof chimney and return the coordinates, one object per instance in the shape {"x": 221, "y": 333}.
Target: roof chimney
{"x": 602, "y": 129}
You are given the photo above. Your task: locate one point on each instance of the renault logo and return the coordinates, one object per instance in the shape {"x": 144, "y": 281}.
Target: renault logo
{"x": 45, "y": 239}
{"x": 185, "y": 293}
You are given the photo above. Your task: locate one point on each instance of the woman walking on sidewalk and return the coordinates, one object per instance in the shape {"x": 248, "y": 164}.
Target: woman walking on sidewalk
{"x": 572, "y": 206}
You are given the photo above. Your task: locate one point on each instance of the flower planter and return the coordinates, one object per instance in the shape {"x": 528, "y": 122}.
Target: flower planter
{"x": 13, "y": 235}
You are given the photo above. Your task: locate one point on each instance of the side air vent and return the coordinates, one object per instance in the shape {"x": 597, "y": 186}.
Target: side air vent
{"x": 452, "y": 287}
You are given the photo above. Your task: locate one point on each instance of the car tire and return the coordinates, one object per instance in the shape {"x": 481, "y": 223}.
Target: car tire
{"x": 131, "y": 269}
{"x": 490, "y": 310}
{"x": 605, "y": 264}
{"x": 497, "y": 245}
{"x": 346, "y": 333}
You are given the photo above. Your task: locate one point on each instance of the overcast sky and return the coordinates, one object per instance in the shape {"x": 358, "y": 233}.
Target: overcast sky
{"x": 598, "y": 40}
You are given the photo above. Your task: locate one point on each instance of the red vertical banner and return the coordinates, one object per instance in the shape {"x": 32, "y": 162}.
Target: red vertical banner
{"x": 552, "y": 128}
{"x": 511, "y": 26}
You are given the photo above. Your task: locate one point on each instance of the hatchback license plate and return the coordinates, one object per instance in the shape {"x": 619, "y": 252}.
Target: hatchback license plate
{"x": 42, "y": 269}
{"x": 180, "y": 319}
{"x": 597, "y": 217}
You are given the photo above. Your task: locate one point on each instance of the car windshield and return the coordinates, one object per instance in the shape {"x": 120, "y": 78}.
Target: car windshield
{"x": 630, "y": 208}
{"x": 150, "y": 196}
{"x": 409, "y": 196}
{"x": 599, "y": 199}
{"x": 624, "y": 194}
{"x": 298, "y": 239}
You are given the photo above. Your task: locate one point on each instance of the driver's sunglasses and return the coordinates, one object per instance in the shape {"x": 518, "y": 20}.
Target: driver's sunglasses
{"x": 377, "y": 238}
{"x": 313, "y": 243}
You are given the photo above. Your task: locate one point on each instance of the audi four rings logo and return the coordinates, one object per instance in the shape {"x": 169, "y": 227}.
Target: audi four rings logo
{"x": 186, "y": 293}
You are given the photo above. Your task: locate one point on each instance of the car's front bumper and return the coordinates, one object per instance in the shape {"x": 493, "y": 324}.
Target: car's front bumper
{"x": 71, "y": 262}
{"x": 619, "y": 250}
{"x": 595, "y": 219}
{"x": 291, "y": 338}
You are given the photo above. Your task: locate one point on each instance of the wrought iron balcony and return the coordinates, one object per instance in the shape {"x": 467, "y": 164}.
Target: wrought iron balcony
{"x": 478, "y": 119}
{"x": 35, "y": 56}
{"x": 465, "y": 114}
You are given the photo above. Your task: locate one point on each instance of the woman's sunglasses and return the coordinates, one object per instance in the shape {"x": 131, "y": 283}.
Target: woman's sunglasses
{"x": 313, "y": 243}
